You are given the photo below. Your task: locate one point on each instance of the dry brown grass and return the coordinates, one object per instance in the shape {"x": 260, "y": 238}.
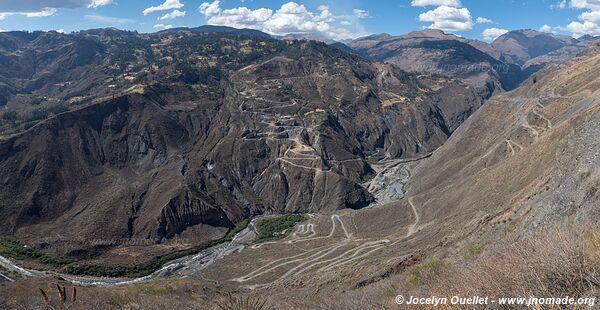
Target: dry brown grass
{"x": 231, "y": 302}
{"x": 166, "y": 294}
{"x": 556, "y": 263}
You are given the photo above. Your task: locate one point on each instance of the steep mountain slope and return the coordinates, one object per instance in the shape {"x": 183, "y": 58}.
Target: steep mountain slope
{"x": 434, "y": 51}
{"x": 528, "y": 160}
{"x": 533, "y": 50}
{"x": 520, "y": 46}
{"x": 46, "y": 73}
{"x": 276, "y": 127}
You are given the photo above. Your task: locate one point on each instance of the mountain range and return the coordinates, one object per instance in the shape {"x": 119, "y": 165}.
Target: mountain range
{"x": 161, "y": 156}
{"x": 162, "y": 139}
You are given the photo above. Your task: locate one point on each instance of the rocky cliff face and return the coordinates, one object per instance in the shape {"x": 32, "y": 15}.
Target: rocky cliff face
{"x": 294, "y": 128}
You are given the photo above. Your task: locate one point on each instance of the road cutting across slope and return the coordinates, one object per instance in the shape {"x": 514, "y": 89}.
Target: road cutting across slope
{"x": 322, "y": 257}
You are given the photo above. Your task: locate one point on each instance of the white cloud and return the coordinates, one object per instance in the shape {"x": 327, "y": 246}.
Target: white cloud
{"x": 546, "y": 28}
{"x": 45, "y": 8}
{"x": 361, "y": 13}
{"x": 423, "y": 3}
{"x": 591, "y": 16}
{"x": 27, "y": 6}
{"x": 2, "y": 30}
{"x": 589, "y": 21}
{"x": 60, "y": 30}
{"x": 108, "y": 20}
{"x": 449, "y": 15}
{"x": 99, "y": 3}
{"x": 210, "y": 9}
{"x": 345, "y": 23}
{"x": 172, "y": 15}
{"x": 491, "y": 34}
{"x": 290, "y": 18}
{"x": 448, "y": 18}
{"x": 483, "y": 20}
{"x": 43, "y": 13}
{"x": 586, "y": 4}
{"x": 578, "y": 29}
{"x": 5, "y": 15}
{"x": 167, "y": 5}
{"x": 163, "y": 26}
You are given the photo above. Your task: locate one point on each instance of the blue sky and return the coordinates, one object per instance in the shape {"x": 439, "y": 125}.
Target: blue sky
{"x": 479, "y": 19}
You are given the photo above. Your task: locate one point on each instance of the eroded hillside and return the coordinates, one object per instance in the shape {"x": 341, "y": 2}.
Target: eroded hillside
{"x": 254, "y": 126}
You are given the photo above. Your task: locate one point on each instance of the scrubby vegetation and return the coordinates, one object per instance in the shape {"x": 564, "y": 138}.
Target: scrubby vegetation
{"x": 231, "y": 302}
{"x": 556, "y": 263}
{"x": 553, "y": 263}
{"x": 278, "y": 226}
{"x": 66, "y": 299}
{"x": 10, "y": 247}
{"x": 425, "y": 271}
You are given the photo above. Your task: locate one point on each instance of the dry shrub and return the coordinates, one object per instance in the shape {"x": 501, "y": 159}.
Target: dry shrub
{"x": 232, "y": 302}
{"x": 555, "y": 263}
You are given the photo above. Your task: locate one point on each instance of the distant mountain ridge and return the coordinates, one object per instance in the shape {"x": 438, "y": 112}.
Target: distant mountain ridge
{"x": 434, "y": 51}
{"x": 518, "y": 54}
{"x": 520, "y": 46}
{"x": 221, "y": 29}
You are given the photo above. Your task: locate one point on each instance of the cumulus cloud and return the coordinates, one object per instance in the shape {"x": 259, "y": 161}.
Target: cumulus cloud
{"x": 172, "y": 15}
{"x": 546, "y": 28}
{"x": 167, "y": 5}
{"x": 449, "y": 15}
{"x": 99, "y": 3}
{"x": 589, "y": 21}
{"x": 290, "y": 18}
{"x": 491, "y": 34}
{"x": 43, "y": 13}
{"x": 448, "y": 18}
{"x": 210, "y": 9}
{"x": 586, "y": 4}
{"x": 578, "y": 29}
{"x": 423, "y": 3}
